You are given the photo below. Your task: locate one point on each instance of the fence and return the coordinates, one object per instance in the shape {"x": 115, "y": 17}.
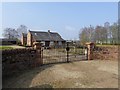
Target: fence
{"x": 20, "y": 59}
{"x": 59, "y": 55}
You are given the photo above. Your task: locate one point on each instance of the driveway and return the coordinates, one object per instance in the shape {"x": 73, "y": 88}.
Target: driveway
{"x": 80, "y": 74}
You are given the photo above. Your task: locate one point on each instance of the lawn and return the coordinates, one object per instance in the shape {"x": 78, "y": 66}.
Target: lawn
{"x": 107, "y": 45}
{"x": 5, "y": 47}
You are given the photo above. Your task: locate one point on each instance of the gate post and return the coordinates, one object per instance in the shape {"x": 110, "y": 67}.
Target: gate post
{"x": 90, "y": 47}
{"x": 39, "y": 58}
{"x": 67, "y": 49}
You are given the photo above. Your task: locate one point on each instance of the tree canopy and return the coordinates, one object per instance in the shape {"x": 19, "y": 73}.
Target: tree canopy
{"x": 107, "y": 34}
{"x": 12, "y": 33}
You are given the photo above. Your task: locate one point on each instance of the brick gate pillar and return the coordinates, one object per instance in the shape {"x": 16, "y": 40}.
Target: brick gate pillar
{"x": 90, "y": 47}
{"x": 39, "y": 58}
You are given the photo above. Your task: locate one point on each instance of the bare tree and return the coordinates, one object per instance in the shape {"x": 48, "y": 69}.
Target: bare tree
{"x": 114, "y": 33}
{"x": 91, "y": 33}
{"x": 83, "y": 36}
{"x": 87, "y": 34}
{"x": 100, "y": 34}
{"x": 21, "y": 29}
{"x": 10, "y": 33}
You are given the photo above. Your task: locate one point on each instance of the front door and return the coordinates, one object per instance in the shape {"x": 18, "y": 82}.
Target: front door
{"x": 47, "y": 43}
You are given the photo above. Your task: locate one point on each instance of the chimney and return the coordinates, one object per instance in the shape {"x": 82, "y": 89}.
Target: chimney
{"x": 49, "y": 31}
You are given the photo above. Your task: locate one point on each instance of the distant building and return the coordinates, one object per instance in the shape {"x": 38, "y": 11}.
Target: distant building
{"x": 48, "y": 39}
{"x": 6, "y": 41}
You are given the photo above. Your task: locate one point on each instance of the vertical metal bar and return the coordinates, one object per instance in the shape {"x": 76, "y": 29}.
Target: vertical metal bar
{"x": 42, "y": 54}
{"x": 67, "y": 53}
{"x": 87, "y": 53}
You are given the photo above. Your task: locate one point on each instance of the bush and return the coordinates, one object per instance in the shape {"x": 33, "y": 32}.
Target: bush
{"x": 19, "y": 42}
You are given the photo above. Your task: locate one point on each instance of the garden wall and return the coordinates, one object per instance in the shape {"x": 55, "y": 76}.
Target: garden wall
{"x": 20, "y": 59}
{"x": 106, "y": 53}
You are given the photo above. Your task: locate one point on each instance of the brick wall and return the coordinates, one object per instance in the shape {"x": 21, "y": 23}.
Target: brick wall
{"x": 20, "y": 59}
{"x": 106, "y": 53}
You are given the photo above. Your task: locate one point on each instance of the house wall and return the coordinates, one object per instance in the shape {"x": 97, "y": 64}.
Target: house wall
{"x": 29, "y": 39}
{"x": 51, "y": 43}
{"x": 63, "y": 44}
{"x": 33, "y": 40}
{"x": 43, "y": 43}
{"x": 59, "y": 44}
{"x": 23, "y": 40}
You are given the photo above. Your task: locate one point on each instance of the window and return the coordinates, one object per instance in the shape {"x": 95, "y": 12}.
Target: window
{"x": 60, "y": 43}
{"x": 51, "y": 43}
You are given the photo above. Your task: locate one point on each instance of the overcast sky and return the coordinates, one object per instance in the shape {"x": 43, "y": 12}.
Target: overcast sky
{"x": 66, "y": 18}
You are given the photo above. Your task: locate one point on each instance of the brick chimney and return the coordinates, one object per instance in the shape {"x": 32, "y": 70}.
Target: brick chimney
{"x": 49, "y": 31}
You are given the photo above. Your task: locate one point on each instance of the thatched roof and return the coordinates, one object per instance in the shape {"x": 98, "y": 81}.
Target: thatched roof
{"x": 46, "y": 36}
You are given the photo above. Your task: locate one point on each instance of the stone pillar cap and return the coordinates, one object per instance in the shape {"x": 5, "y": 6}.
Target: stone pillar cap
{"x": 36, "y": 43}
{"x": 89, "y": 43}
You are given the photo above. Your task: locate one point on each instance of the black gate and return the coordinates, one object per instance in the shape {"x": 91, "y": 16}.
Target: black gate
{"x": 59, "y": 55}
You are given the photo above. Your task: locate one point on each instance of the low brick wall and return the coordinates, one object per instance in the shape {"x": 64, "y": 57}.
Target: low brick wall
{"x": 106, "y": 53}
{"x": 20, "y": 59}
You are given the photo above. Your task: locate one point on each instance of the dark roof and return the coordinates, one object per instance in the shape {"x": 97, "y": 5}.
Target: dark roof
{"x": 46, "y": 36}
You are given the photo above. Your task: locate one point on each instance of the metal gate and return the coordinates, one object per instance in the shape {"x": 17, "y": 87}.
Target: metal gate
{"x": 59, "y": 55}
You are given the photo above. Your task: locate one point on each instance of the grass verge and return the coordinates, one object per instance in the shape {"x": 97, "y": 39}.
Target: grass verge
{"x": 5, "y": 47}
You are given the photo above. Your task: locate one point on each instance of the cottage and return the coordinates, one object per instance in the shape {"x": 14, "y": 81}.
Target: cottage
{"x": 48, "y": 39}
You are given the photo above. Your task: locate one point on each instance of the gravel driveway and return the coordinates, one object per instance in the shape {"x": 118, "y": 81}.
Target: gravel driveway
{"x": 81, "y": 74}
